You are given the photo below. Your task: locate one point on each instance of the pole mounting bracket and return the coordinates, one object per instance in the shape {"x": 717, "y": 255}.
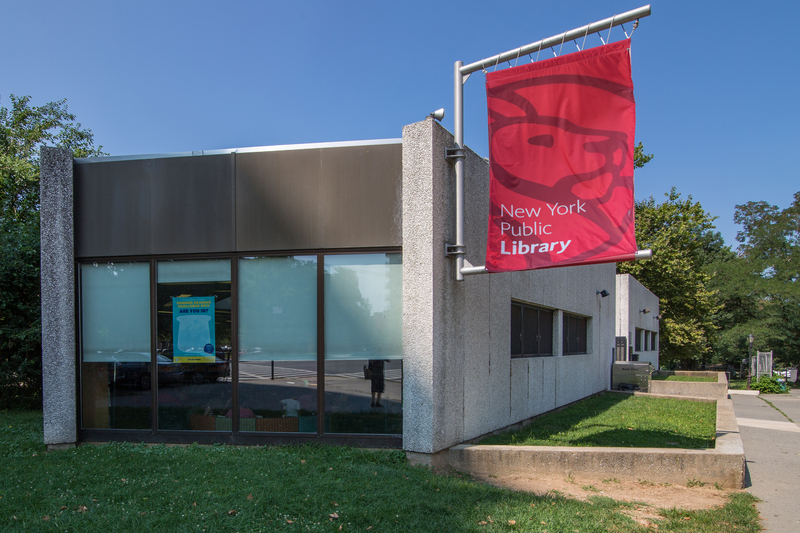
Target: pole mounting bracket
{"x": 454, "y": 249}
{"x": 454, "y": 154}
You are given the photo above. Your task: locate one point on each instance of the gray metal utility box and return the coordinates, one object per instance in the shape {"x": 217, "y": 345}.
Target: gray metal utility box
{"x": 629, "y": 375}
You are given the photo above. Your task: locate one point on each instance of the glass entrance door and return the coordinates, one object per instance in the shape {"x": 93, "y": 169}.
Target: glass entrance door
{"x": 193, "y": 339}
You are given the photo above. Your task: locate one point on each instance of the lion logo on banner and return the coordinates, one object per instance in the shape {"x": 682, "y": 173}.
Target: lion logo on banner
{"x": 561, "y": 145}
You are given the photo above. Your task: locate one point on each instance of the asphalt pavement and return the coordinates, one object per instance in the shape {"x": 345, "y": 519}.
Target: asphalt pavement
{"x": 769, "y": 425}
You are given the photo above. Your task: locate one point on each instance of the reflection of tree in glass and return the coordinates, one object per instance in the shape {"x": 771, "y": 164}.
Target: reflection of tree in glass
{"x": 278, "y": 305}
{"x": 393, "y": 337}
{"x": 364, "y": 307}
{"x": 347, "y": 312}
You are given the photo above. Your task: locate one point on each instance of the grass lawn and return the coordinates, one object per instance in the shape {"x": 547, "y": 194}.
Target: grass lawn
{"x": 703, "y": 379}
{"x": 134, "y": 487}
{"x": 613, "y": 419}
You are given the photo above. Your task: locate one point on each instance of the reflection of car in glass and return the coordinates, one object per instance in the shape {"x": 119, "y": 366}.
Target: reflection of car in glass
{"x": 137, "y": 373}
{"x": 199, "y": 373}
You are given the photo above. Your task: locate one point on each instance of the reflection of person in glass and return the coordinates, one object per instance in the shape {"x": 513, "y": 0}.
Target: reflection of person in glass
{"x": 244, "y": 411}
{"x": 376, "y": 376}
{"x": 290, "y": 407}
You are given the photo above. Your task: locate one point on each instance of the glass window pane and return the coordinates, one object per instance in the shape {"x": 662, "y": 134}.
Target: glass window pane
{"x": 530, "y": 330}
{"x": 516, "y": 329}
{"x": 278, "y": 343}
{"x": 363, "y": 306}
{"x": 194, "y": 384}
{"x": 194, "y": 271}
{"x": 363, "y": 343}
{"x": 582, "y": 334}
{"x": 575, "y": 334}
{"x": 545, "y": 332}
{"x": 115, "y": 345}
{"x": 570, "y": 337}
{"x": 278, "y": 309}
{"x": 115, "y": 312}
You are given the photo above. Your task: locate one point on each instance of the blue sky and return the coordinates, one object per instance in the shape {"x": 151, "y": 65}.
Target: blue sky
{"x": 716, "y": 82}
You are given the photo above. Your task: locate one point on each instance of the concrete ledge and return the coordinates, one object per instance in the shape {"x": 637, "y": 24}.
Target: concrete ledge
{"x": 438, "y": 461}
{"x": 723, "y": 464}
{"x": 744, "y": 392}
{"x": 718, "y": 390}
{"x": 690, "y": 373}
{"x": 62, "y": 446}
{"x": 701, "y": 399}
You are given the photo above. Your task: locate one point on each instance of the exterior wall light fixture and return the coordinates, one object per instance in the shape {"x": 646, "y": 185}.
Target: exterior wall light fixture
{"x": 603, "y": 293}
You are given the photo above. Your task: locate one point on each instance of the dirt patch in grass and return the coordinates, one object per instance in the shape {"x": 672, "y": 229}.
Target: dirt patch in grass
{"x": 647, "y": 498}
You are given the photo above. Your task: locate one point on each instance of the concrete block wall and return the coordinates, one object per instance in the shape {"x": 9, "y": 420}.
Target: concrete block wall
{"x": 459, "y": 379}
{"x": 632, "y": 298}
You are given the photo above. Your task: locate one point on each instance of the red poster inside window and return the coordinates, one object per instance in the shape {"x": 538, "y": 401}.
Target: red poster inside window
{"x": 561, "y": 147}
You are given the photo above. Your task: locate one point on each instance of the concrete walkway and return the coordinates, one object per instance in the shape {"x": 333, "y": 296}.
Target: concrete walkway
{"x": 772, "y": 449}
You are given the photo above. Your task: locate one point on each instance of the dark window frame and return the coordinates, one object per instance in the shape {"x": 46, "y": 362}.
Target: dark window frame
{"x": 528, "y": 321}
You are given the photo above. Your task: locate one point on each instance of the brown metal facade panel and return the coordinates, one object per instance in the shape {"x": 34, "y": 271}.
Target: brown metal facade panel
{"x": 318, "y": 198}
{"x": 339, "y": 197}
{"x": 361, "y": 196}
{"x": 277, "y": 200}
{"x": 192, "y": 204}
{"x": 154, "y": 206}
{"x": 112, "y": 208}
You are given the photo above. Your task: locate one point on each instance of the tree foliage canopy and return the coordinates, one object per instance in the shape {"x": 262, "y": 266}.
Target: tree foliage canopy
{"x": 759, "y": 287}
{"x": 24, "y": 129}
{"x": 680, "y": 233}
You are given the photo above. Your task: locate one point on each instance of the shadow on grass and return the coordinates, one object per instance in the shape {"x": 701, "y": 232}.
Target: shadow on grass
{"x": 640, "y": 438}
{"x": 616, "y": 420}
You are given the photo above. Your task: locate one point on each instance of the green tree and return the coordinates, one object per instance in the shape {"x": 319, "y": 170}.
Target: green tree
{"x": 640, "y": 158}
{"x": 759, "y": 287}
{"x": 23, "y": 130}
{"x": 681, "y": 235}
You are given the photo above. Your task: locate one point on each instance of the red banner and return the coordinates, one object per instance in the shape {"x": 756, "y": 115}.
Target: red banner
{"x": 561, "y": 158}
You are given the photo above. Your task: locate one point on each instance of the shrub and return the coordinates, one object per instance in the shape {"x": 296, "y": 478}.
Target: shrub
{"x": 769, "y": 385}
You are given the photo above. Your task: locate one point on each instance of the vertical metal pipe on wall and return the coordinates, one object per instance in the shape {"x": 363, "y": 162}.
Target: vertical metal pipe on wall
{"x": 458, "y": 126}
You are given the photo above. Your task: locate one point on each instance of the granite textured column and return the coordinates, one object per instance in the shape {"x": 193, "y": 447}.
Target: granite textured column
{"x": 58, "y": 297}
{"x": 433, "y": 345}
